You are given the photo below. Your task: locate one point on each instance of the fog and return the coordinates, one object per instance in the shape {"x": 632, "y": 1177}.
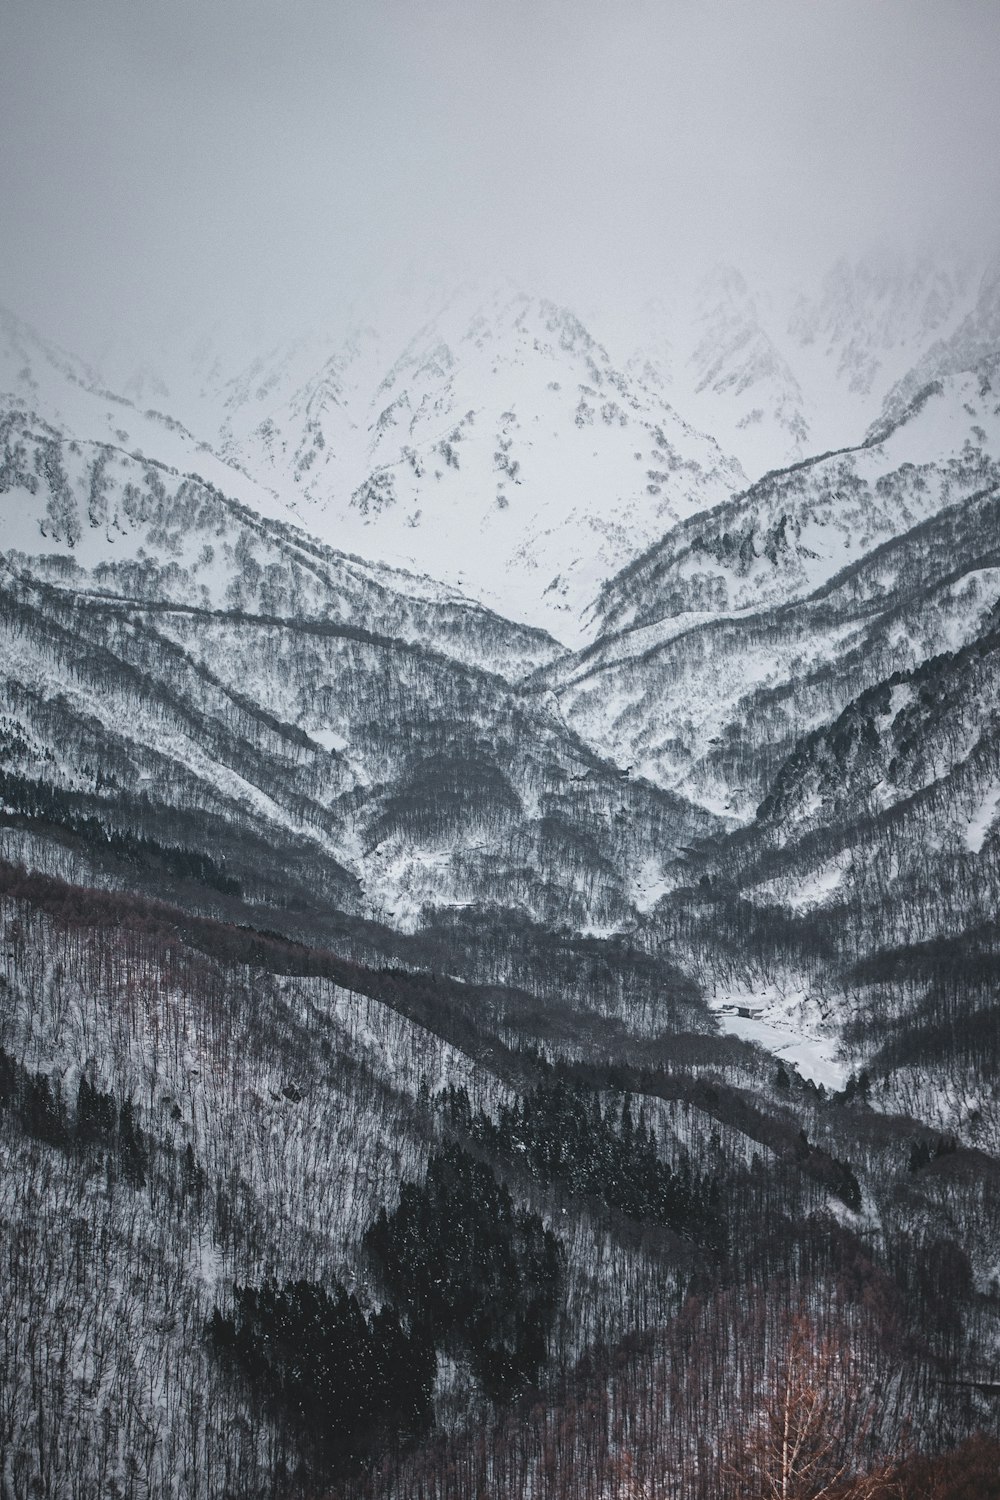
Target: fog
{"x": 275, "y": 161}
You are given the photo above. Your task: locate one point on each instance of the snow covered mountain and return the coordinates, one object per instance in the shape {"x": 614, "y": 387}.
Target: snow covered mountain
{"x": 754, "y": 617}
{"x": 109, "y": 520}
{"x": 498, "y": 448}
{"x": 489, "y": 438}
{"x": 969, "y": 347}
{"x": 38, "y": 377}
{"x": 743, "y": 606}
{"x": 330, "y": 894}
{"x": 777, "y": 373}
{"x": 225, "y": 662}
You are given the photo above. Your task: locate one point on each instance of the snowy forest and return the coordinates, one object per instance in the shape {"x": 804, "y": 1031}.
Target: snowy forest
{"x": 438, "y": 1063}
{"x": 499, "y": 751}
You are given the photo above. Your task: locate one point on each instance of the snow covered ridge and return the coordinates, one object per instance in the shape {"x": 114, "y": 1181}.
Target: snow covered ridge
{"x": 777, "y": 373}
{"x": 896, "y": 802}
{"x": 500, "y": 449}
{"x": 492, "y": 441}
{"x": 379, "y": 774}
{"x": 501, "y": 452}
{"x": 98, "y": 516}
{"x": 69, "y": 397}
{"x": 713, "y": 704}
{"x": 797, "y": 528}
{"x": 893, "y": 741}
{"x": 757, "y": 622}
{"x": 970, "y": 347}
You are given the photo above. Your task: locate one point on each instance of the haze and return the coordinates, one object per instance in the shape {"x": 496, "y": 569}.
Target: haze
{"x": 173, "y": 163}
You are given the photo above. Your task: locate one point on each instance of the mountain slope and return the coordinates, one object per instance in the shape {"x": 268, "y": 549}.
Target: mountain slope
{"x": 332, "y": 903}
{"x": 970, "y": 348}
{"x": 500, "y": 449}
{"x": 185, "y": 668}
{"x": 778, "y": 372}
{"x": 879, "y": 846}
{"x": 797, "y": 527}
{"x": 114, "y": 522}
{"x": 709, "y": 667}
{"x": 489, "y": 439}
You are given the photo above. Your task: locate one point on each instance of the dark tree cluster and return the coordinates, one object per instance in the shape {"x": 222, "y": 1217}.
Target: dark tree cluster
{"x": 560, "y": 1132}
{"x": 347, "y": 1385}
{"x": 36, "y": 1101}
{"x": 482, "y": 1276}
{"x": 49, "y": 804}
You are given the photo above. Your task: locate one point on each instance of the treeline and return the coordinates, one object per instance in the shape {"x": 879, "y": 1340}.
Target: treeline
{"x": 581, "y": 978}
{"x": 37, "y": 800}
{"x": 679, "y": 1412}
{"x": 472, "y": 1275}
{"x": 441, "y": 1004}
{"x": 477, "y": 1017}
{"x": 778, "y": 1129}
{"x": 461, "y": 1259}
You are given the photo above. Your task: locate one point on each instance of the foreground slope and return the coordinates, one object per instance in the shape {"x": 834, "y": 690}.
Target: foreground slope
{"x": 192, "y": 1107}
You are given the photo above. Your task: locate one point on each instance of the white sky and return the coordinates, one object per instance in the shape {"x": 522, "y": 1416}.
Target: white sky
{"x": 186, "y": 159}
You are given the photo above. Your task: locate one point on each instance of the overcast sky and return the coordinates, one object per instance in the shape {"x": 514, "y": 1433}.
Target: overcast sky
{"x": 196, "y": 157}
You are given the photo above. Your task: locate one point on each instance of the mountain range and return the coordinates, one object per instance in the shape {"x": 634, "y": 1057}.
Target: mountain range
{"x": 498, "y": 751}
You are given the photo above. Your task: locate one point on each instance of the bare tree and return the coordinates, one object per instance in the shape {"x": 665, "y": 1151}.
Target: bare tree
{"x": 814, "y": 1428}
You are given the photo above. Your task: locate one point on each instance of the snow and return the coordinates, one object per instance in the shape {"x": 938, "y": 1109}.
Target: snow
{"x": 513, "y": 457}
{"x": 961, "y": 608}
{"x": 779, "y": 371}
{"x": 786, "y": 1021}
{"x": 663, "y": 712}
{"x": 649, "y": 885}
{"x": 901, "y": 697}
{"x": 804, "y": 890}
{"x": 399, "y": 881}
{"x": 982, "y": 820}
{"x": 494, "y": 446}
{"x": 329, "y": 739}
{"x": 814, "y": 1057}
